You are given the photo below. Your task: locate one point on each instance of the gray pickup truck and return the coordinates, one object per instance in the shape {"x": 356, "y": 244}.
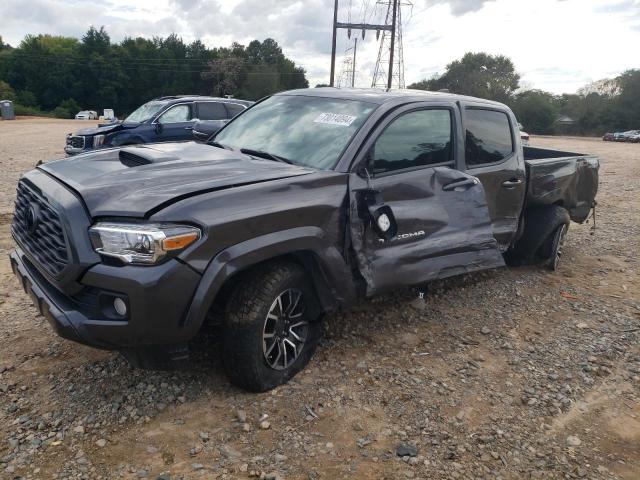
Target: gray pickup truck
{"x": 308, "y": 200}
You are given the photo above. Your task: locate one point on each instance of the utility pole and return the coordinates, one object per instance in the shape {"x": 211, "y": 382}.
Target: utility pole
{"x": 333, "y": 43}
{"x": 353, "y": 72}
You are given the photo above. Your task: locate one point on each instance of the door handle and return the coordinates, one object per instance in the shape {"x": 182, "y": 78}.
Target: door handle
{"x": 460, "y": 184}
{"x": 188, "y": 128}
{"x": 512, "y": 183}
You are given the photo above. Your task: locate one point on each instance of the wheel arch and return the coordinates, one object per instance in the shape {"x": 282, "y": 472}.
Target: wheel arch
{"x": 330, "y": 275}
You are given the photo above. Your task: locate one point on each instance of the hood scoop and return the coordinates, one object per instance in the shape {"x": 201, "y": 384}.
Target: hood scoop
{"x": 136, "y": 157}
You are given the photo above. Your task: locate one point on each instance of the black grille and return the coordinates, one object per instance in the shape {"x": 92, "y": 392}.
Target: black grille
{"x": 75, "y": 141}
{"x": 45, "y": 241}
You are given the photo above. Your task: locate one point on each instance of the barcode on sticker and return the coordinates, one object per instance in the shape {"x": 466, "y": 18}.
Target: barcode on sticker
{"x": 335, "y": 119}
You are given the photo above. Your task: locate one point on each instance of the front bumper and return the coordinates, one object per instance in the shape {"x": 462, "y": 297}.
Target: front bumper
{"x": 74, "y": 151}
{"x": 157, "y": 298}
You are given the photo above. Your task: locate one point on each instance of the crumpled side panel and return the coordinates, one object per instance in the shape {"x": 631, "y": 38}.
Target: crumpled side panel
{"x": 440, "y": 233}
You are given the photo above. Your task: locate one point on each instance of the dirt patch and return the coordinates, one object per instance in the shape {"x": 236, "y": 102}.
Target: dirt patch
{"x": 488, "y": 378}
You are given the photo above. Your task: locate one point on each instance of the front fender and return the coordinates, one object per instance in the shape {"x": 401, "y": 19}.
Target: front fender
{"x": 332, "y": 278}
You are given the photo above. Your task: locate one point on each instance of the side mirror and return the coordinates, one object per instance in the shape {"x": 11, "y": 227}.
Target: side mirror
{"x": 159, "y": 128}
{"x": 373, "y": 209}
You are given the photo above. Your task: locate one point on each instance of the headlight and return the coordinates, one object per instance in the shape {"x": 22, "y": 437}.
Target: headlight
{"x": 98, "y": 141}
{"x": 141, "y": 244}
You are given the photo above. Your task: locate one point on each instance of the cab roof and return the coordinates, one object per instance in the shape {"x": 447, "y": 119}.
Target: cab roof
{"x": 195, "y": 98}
{"x": 380, "y": 96}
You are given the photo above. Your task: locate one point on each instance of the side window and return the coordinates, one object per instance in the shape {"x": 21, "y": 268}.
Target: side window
{"x": 415, "y": 139}
{"x": 234, "y": 109}
{"x": 211, "y": 111}
{"x": 488, "y": 137}
{"x": 177, "y": 114}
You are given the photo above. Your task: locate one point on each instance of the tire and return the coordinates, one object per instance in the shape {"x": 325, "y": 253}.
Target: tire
{"x": 534, "y": 245}
{"x": 552, "y": 249}
{"x": 263, "y": 326}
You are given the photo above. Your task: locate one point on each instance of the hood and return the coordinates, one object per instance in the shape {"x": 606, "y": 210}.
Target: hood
{"x": 136, "y": 180}
{"x": 107, "y": 128}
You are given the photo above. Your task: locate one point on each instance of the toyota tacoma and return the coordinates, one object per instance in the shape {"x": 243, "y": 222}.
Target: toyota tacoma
{"x": 309, "y": 200}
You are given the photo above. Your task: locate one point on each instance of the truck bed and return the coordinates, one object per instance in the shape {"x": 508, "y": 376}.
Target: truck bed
{"x": 561, "y": 178}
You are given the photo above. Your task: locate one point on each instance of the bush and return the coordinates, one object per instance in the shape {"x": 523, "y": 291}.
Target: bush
{"x": 61, "y": 112}
{"x": 23, "y": 110}
{"x": 67, "y": 109}
{"x": 26, "y": 98}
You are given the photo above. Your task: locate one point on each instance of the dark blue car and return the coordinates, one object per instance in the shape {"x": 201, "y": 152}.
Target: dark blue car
{"x": 165, "y": 119}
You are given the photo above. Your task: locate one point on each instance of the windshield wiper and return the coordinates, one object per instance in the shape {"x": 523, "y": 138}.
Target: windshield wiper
{"x": 219, "y": 145}
{"x": 267, "y": 155}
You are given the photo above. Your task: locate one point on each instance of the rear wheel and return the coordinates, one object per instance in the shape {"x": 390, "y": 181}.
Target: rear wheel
{"x": 556, "y": 244}
{"x": 536, "y": 245}
{"x": 271, "y": 327}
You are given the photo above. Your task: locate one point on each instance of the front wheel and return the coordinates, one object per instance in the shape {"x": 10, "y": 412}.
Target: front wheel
{"x": 271, "y": 327}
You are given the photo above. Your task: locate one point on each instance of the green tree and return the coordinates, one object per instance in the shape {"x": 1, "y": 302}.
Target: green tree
{"x": 479, "y": 75}
{"x": 6, "y": 92}
{"x": 46, "y": 70}
{"x": 4, "y": 46}
{"x": 536, "y": 110}
{"x": 26, "y": 99}
{"x": 627, "y": 104}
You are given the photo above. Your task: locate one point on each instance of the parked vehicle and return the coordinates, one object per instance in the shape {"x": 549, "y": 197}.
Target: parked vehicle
{"x": 524, "y": 136}
{"x": 608, "y": 137}
{"x": 204, "y": 129}
{"x": 635, "y": 137}
{"x": 166, "y": 119}
{"x": 87, "y": 115}
{"x": 625, "y": 136}
{"x": 309, "y": 200}
{"x": 108, "y": 115}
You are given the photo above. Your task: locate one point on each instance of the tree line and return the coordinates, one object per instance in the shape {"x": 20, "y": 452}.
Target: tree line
{"x": 64, "y": 75}
{"x": 495, "y": 78}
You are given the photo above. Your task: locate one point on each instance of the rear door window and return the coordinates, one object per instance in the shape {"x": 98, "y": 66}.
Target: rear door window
{"x": 235, "y": 109}
{"x": 211, "y": 111}
{"x": 489, "y": 137}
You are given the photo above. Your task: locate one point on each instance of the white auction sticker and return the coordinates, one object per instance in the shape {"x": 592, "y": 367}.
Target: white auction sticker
{"x": 335, "y": 119}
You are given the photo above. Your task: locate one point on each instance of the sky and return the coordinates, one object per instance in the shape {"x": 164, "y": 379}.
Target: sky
{"x": 556, "y": 45}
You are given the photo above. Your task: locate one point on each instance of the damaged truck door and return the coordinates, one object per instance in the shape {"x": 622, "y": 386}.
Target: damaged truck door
{"x": 491, "y": 155}
{"x": 411, "y": 166}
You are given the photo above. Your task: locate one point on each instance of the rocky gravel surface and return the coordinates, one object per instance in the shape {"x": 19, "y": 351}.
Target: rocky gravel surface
{"x": 516, "y": 373}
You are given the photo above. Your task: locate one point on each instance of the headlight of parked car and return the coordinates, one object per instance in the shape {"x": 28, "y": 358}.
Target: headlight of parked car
{"x": 98, "y": 141}
{"x": 141, "y": 244}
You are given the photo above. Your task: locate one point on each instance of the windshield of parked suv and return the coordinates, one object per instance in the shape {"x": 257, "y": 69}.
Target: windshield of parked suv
{"x": 145, "y": 112}
{"x": 309, "y": 131}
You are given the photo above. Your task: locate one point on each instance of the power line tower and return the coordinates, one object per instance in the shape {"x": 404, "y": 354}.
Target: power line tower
{"x": 364, "y": 26}
{"x": 389, "y": 70}
{"x": 347, "y": 76}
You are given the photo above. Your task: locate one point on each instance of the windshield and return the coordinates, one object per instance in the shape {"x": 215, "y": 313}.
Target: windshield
{"x": 145, "y": 112}
{"x": 309, "y": 131}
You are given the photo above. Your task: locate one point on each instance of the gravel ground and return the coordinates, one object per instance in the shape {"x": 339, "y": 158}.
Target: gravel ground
{"x": 514, "y": 373}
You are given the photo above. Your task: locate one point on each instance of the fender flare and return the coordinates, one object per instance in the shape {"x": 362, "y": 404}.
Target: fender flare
{"x": 332, "y": 276}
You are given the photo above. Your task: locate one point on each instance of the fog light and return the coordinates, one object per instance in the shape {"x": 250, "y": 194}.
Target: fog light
{"x": 120, "y": 306}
